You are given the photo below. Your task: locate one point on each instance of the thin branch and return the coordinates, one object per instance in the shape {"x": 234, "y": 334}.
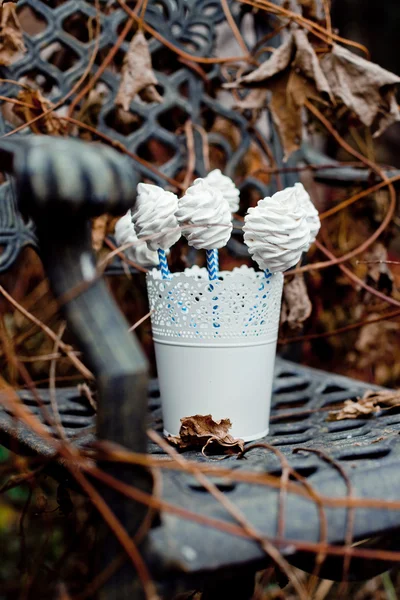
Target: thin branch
{"x": 340, "y": 330}
{"x": 140, "y": 321}
{"x": 64, "y": 347}
{"x": 52, "y": 386}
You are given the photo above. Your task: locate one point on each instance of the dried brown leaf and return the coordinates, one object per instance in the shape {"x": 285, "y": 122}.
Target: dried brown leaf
{"x": 363, "y": 86}
{"x": 255, "y": 100}
{"x": 201, "y": 431}
{"x": 36, "y": 105}
{"x": 92, "y": 104}
{"x": 296, "y": 306}
{"x": 368, "y": 337}
{"x": 377, "y": 265}
{"x": 292, "y": 74}
{"x": 137, "y": 74}
{"x": 279, "y": 61}
{"x": 99, "y": 231}
{"x": 374, "y": 339}
{"x": 12, "y": 45}
{"x": 371, "y": 403}
{"x": 289, "y": 93}
{"x": 306, "y": 61}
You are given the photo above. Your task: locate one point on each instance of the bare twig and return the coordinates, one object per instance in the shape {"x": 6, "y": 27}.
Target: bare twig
{"x": 52, "y": 386}
{"x": 68, "y": 351}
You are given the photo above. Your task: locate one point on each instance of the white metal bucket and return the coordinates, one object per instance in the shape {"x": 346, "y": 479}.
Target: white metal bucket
{"x": 215, "y": 346}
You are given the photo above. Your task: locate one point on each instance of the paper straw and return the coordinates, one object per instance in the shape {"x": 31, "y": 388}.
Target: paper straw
{"x": 164, "y": 268}
{"x": 212, "y": 264}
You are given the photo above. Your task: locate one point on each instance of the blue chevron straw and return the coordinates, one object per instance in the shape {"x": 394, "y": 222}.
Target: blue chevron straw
{"x": 212, "y": 264}
{"x": 164, "y": 268}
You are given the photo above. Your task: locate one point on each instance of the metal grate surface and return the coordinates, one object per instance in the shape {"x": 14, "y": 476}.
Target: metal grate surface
{"x": 58, "y": 54}
{"x": 367, "y": 449}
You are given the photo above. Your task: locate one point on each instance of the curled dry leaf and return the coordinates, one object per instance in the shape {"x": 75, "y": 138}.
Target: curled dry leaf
{"x": 364, "y": 87}
{"x": 371, "y": 403}
{"x": 288, "y": 96}
{"x": 294, "y": 73}
{"x": 35, "y": 105}
{"x": 92, "y": 104}
{"x": 12, "y": 45}
{"x": 201, "y": 431}
{"x": 374, "y": 350}
{"x": 255, "y": 100}
{"x": 307, "y": 63}
{"x": 137, "y": 74}
{"x": 275, "y": 64}
{"x": 376, "y": 259}
{"x": 296, "y": 305}
{"x": 101, "y": 227}
{"x": 99, "y": 231}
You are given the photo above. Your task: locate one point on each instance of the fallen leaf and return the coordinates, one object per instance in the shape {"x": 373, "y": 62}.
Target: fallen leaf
{"x": 12, "y": 45}
{"x": 296, "y": 305}
{"x": 297, "y": 52}
{"x": 375, "y": 338}
{"x": 363, "y": 86}
{"x": 292, "y": 74}
{"x": 255, "y": 100}
{"x": 368, "y": 336}
{"x": 374, "y": 350}
{"x": 378, "y": 268}
{"x": 36, "y": 104}
{"x": 288, "y": 95}
{"x": 201, "y": 431}
{"x": 279, "y": 61}
{"x": 306, "y": 61}
{"x": 92, "y": 104}
{"x": 99, "y": 231}
{"x": 137, "y": 74}
{"x": 370, "y": 404}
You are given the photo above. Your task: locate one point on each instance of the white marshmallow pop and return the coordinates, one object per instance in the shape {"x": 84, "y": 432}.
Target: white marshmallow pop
{"x": 312, "y": 213}
{"x": 277, "y": 232}
{"x": 138, "y": 253}
{"x": 154, "y": 218}
{"x": 205, "y": 217}
{"x": 225, "y": 185}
